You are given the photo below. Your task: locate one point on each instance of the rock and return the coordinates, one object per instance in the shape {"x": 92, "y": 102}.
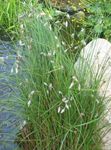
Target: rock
{"x": 96, "y": 57}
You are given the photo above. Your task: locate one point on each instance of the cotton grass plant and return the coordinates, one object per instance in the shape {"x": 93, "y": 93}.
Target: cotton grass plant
{"x": 62, "y": 108}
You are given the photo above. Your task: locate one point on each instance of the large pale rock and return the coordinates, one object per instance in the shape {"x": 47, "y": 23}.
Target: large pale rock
{"x": 96, "y": 57}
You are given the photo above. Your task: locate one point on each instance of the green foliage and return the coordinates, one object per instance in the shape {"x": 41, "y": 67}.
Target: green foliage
{"x": 61, "y": 107}
{"x": 99, "y": 19}
{"x": 9, "y": 11}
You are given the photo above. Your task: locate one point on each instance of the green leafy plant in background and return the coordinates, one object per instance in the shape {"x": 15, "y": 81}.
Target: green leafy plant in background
{"x": 99, "y": 18}
{"x": 83, "y": 25}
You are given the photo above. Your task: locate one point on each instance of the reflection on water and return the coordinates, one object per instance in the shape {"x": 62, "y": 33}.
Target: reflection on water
{"x": 8, "y": 119}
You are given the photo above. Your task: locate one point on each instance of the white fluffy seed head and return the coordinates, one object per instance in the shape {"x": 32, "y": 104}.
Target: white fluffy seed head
{"x": 23, "y": 124}
{"x": 64, "y": 99}
{"x": 21, "y": 43}
{"x": 74, "y": 78}
{"x": 16, "y": 70}
{"x": 60, "y": 93}
{"x": 12, "y": 70}
{"x": 67, "y": 106}
{"x": 71, "y": 85}
{"x": 45, "y": 84}
{"x": 29, "y": 103}
{"x": 66, "y": 24}
{"x": 62, "y": 111}
{"x": 50, "y": 86}
{"x": 31, "y": 94}
{"x": 59, "y": 109}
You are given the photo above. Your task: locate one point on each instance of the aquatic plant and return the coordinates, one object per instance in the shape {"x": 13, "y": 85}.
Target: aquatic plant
{"x": 62, "y": 107}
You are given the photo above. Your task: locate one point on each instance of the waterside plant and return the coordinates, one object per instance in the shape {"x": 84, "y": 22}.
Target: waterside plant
{"x": 62, "y": 108}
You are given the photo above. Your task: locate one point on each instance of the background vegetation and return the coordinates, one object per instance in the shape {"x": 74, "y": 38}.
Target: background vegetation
{"x": 61, "y": 105}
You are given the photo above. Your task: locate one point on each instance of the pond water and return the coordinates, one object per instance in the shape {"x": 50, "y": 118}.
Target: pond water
{"x": 8, "y": 119}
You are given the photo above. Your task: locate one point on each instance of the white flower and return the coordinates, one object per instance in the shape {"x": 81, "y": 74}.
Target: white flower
{"x": 30, "y": 15}
{"x": 47, "y": 92}
{"x": 23, "y": 124}
{"x": 41, "y": 14}
{"x": 54, "y": 53}
{"x": 20, "y": 83}
{"x": 58, "y": 45}
{"x": 29, "y": 103}
{"x": 21, "y": 44}
{"x": 16, "y": 70}
{"x": 31, "y": 93}
{"x": 62, "y": 67}
{"x": 50, "y": 28}
{"x": 74, "y": 78}
{"x": 49, "y": 54}
{"x": 97, "y": 101}
{"x": 65, "y": 100}
{"x": 45, "y": 24}
{"x": 63, "y": 43}
{"x": 59, "y": 109}
{"x": 42, "y": 53}
{"x": 65, "y": 51}
{"x": 71, "y": 98}
{"x": 29, "y": 47}
{"x": 22, "y": 26}
{"x": 82, "y": 30}
{"x": 66, "y": 24}
{"x": 50, "y": 86}
{"x": 12, "y": 70}
{"x": 71, "y": 85}
{"x": 60, "y": 92}
{"x": 45, "y": 84}
{"x": 67, "y": 106}
{"x": 76, "y": 47}
{"x": 52, "y": 61}
{"x": 83, "y": 42}
{"x": 68, "y": 16}
{"x": 56, "y": 37}
{"x": 72, "y": 35}
{"x": 63, "y": 110}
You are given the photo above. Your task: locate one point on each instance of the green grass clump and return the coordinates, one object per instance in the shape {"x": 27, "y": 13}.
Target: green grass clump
{"x": 9, "y": 11}
{"x": 62, "y": 107}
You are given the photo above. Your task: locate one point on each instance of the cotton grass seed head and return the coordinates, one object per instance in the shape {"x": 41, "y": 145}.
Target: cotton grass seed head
{"x": 59, "y": 109}
{"x": 50, "y": 86}
{"x": 62, "y": 111}
{"x": 66, "y": 24}
{"x": 29, "y": 103}
{"x": 23, "y": 124}
{"x": 71, "y": 85}
{"x": 21, "y": 43}
{"x": 45, "y": 84}
{"x": 31, "y": 94}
